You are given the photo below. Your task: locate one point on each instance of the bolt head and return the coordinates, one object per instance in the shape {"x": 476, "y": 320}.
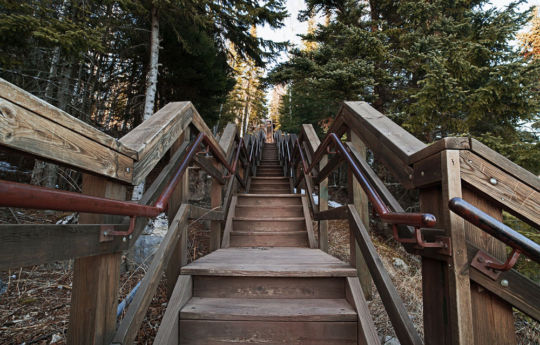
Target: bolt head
{"x": 130, "y": 237}
{"x": 422, "y": 173}
{"x": 105, "y": 233}
{"x": 504, "y": 283}
{"x": 124, "y": 239}
{"x": 493, "y": 181}
{"x": 127, "y": 169}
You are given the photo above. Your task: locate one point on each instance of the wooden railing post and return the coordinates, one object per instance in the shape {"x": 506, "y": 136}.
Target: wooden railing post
{"x": 95, "y": 279}
{"x": 360, "y": 200}
{"x": 323, "y": 206}
{"x": 499, "y": 327}
{"x": 446, "y": 289}
{"x": 180, "y": 195}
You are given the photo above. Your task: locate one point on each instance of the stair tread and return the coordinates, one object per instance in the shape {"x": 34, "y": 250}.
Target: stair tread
{"x": 309, "y": 309}
{"x": 269, "y": 207}
{"x": 284, "y": 195}
{"x": 270, "y": 262}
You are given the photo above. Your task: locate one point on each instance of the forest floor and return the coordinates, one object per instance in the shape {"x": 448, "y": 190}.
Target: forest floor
{"x": 35, "y": 301}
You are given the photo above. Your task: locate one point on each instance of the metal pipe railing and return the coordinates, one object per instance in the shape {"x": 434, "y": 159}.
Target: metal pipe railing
{"x": 495, "y": 228}
{"x": 413, "y": 219}
{"x": 34, "y": 197}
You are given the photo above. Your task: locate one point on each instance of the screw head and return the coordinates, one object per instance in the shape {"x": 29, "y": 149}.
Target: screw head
{"x": 128, "y": 169}
{"x": 130, "y": 237}
{"x": 422, "y": 173}
{"x": 124, "y": 239}
{"x": 493, "y": 181}
{"x": 105, "y": 233}
{"x": 504, "y": 283}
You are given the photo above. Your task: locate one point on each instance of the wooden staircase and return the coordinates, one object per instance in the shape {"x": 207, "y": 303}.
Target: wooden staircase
{"x": 268, "y": 285}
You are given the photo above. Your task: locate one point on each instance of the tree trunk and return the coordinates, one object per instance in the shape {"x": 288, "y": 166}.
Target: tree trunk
{"x": 151, "y": 85}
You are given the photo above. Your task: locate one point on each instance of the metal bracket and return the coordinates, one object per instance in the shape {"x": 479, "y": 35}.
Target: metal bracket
{"x": 444, "y": 244}
{"x": 490, "y": 266}
{"x": 105, "y": 232}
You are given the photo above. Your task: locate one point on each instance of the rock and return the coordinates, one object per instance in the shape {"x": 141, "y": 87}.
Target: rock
{"x": 55, "y": 338}
{"x": 388, "y": 340}
{"x": 144, "y": 249}
{"x": 399, "y": 263}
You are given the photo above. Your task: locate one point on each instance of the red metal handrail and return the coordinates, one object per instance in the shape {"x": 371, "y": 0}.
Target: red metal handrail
{"x": 27, "y": 196}
{"x": 413, "y": 219}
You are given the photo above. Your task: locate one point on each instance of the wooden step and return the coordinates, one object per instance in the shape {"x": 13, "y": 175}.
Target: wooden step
{"x": 274, "y": 184}
{"x": 269, "y": 239}
{"x": 251, "y": 309}
{"x": 269, "y": 199}
{"x": 272, "y": 174}
{"x": 274, "y": 190}
{"x": 269, "y": 262}
{"x": 213, "y": 332}
{"x": 268, "y": 287}
{"x": 269, "y": 224}
{"x": 270, "y": 180}
{"x": 269, "y": 211}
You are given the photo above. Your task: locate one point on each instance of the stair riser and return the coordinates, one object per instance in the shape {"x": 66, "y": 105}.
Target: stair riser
{"x": 272, "y": 240}
{"x": 286, "y": 188}
{"x": 269, "y": 191}
{"x": 266, "y": 174}
{"x": 268, "y": 287}
{"x": 261, "y": 212}
{"x": 260, "y": 225}
{"x": 270, "y": 183}
{"x": 208, "y": 332}
{"x": 269, "y": 201}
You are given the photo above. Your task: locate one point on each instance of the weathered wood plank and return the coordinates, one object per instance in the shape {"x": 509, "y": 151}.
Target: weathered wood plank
{"x": 449, "y": 143}
{"x": 129, "y": 326}
{"x": 396, "y": 163}
{"x": 427, "y": 172}
{"x": 521, "y": 292}
{"x": 493, "y": 318}
{"x": 209, "y": 167}
{"x": 309, "y": 224}
{"x": 367, "y": 333}
{"x": 512, "y": 194}
{"x": 229, "y": 224}
{"x": 26, "y": 131}
{"x": 36, "y": 244}
{"x": 505, "y": 164}
{"x": 155, "y": 136}
{"x": 96, "y": 278}
{"x": 460, "y": 308}
{"x": 398, "y": 140}
{"x": 169, "y": 332}
{"x": 393, "y": 304}
{"x": 30, "y": 102}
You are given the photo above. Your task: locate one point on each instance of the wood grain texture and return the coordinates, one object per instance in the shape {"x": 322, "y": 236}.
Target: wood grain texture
{"x": 207, "y": 165}
{"x": 505, "y": 164}
{"x": 201, "y": 213}
{"x": 275, "y": 309}
{"x": 129, "y": 326}
{"x": 169, "y": 332}
{"x": 36, "y": 244}
{"x": 458, "y": 278}
{"x": 398, "y": 140}
{"x": 229, "y": 223}
{"x": 449, "y": 143}
{"x": 210, "y": 332}
{"x": 521, "y": 292}
{"x": 155, "y": 136}
{"x": 96, "y": 278}
{"x": 309, "y": 224}
{"x": 367, "y": 333}
{"x": 493, "y": 317}
{"x": 361, "y": 202}
{"x": 269, "y": 262}
{"x": 31, "y": 103}
{"x": 268, "y": 287}
{"x": 26, "y": 131}
{"x": 517, "y": 197}
{"x": 393, "y": 304}
{"x": 395, "y": 162}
